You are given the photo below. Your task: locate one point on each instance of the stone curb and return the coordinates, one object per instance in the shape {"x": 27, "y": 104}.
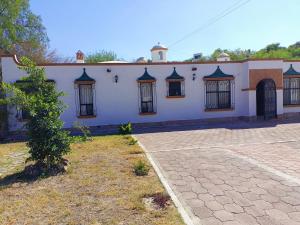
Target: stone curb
{"x": 184, "y": 214}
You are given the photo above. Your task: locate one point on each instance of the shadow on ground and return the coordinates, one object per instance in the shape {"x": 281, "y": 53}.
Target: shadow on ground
{"x": 201, "y": 125}
{"x": 30, "y": 174}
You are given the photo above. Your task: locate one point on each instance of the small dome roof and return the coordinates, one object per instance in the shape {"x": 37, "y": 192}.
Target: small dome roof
{"x": 159, "y": 46}
{"x": 223, "y": 55}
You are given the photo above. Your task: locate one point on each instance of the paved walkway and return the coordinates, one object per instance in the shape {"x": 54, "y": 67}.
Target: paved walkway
{"x": 234, "y": 173}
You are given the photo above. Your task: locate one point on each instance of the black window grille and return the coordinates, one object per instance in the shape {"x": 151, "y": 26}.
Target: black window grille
{"x": 218, "y": 94}
{"x": 291, "y": 91}
{"x": 146, "y": 92}
{"x": 86, "y": 100}
{"x": 175, "y": 88}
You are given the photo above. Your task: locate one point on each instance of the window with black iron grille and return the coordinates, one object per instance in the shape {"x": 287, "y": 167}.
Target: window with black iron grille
{"x": 218, "y": 94}
{"x": 291, "y": 91}
{"x": 146, "y": 95}
{"x": 86, "y": 100}
{"x": 175, "y": 88}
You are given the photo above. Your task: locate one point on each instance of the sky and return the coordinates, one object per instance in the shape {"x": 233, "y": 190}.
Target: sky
{"x": 131, "y": 27}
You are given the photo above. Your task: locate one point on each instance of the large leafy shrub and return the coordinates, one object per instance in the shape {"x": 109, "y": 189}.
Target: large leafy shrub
{"x": 47, "y": 141}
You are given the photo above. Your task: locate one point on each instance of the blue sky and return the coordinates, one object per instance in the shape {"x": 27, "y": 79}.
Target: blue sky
{"x": 131, "y": 27}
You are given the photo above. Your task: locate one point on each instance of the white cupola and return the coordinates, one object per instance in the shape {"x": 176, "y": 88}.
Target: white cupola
{"x": 159, "y": 53}
{"x": 223, "y": 57}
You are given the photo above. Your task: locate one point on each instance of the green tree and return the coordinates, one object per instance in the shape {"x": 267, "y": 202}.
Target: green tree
{"x": 270, "y": 51}
{"x": 296, "y": 45}
{"x": 21, "y": 31}
{"x": 101, "y": 56}
{"x": 47, "y": 141}
{"x": 272, "y": 54}
{"x": 3, "y": 111}
{"x": 272, "y": 47}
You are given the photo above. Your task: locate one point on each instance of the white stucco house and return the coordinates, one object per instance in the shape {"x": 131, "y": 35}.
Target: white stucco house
{"x": 111, "y": 93}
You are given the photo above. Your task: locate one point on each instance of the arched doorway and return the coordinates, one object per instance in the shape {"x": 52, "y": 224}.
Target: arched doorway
{"x": 266, "y": 106}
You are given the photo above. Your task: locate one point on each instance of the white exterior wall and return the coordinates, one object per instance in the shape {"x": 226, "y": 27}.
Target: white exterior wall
{"x": 118, "y": 102}
{"x": 252, "y": 102}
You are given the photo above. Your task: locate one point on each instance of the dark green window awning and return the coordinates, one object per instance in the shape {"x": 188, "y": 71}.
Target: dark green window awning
{"x": 175, "y": 76}
{"x": 84, "y": 77}
{"x": 146, "y": 77}
{"x": 218, "y": 74}
{"x": 291, "y": 71}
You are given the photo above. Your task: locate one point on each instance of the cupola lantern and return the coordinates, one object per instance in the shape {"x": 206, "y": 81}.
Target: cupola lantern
{"x": 159, "y": 53}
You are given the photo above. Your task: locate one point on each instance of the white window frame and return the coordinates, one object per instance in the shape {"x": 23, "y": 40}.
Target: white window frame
{"x": 232, "y": 95}
{"x": 77, "y": 99}
{"x": 154, "y": 98}
{"x": 182, "y": 83}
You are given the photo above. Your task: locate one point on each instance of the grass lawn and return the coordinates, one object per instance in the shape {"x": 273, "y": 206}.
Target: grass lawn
{"x": 99, "y": 188}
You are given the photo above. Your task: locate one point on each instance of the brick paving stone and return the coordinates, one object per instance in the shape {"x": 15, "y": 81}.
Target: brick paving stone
{"x": 295, "y": 216}
{"x": 266, "y": 220}
{"x": 179, "y": 182}
{"x": 185, "y": 188}
{"x": 284, "y": 207}
{"x": 197, "y": 188}
{"x": 231, "y": 223}
{"x": 277, "y": 214}
{"x": 214, "y": 205}
{"x": 223, "y": 200}
{"x": 262, "y": 204}
{"x": 254, "y": 211}
{"x": 215, "y": 191}
{"x": 189, "y": 195}
{"x": 251, "y": 196}
{"x": 291, "y": 200}
{"x": 224, "y": 187}
{"x": 245, "y": 218}
{"x": 217, "y": 181}
{"x": 211, "y": 221}
{"x": 258, "y": 191}
{"x": 277, "y": 192}
{"x": 205, "y": 197}
{"x": 270, "y": 198}
{"x": 223, "y": 215}
{"x": 233, "y": 208}
{"x": 202, "y": 212}
{"x": 195, "y": 202}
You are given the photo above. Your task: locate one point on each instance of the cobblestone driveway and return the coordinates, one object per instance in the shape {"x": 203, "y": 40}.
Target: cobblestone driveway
{"x": 235, "y": 173}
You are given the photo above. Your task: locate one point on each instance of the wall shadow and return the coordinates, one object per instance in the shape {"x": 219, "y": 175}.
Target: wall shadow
{"x": 203, "y": 125}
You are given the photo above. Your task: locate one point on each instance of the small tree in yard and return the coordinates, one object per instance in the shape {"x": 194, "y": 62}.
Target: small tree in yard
{"x": 47, "y": 141}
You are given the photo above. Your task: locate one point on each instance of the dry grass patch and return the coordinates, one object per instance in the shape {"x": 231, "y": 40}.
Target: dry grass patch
{"x": 99, "y": 188}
